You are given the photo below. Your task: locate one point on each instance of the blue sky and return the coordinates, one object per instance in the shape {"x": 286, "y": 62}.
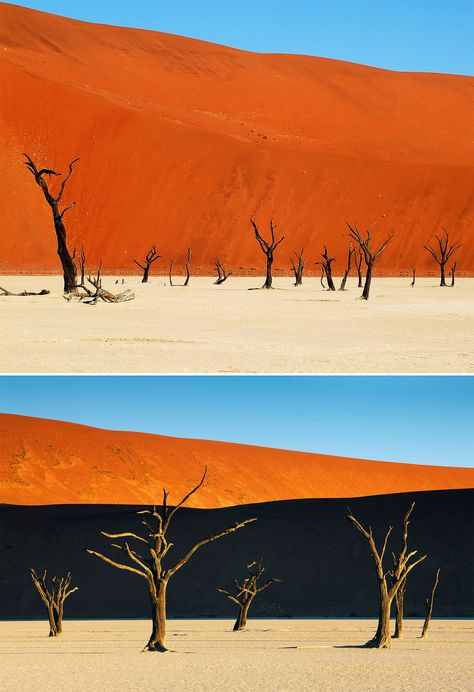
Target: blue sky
{"x": 426, "y": 420}
{"x": 414, "y": 35}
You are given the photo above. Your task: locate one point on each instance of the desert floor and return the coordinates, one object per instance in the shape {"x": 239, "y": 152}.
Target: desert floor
{"x": 207, "y": 655}
{"x": 227, "y": 328}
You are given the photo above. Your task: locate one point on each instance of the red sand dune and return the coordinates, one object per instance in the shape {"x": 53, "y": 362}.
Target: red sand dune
{"x": 51, "y": 462}
{"x": 181, "y": 141}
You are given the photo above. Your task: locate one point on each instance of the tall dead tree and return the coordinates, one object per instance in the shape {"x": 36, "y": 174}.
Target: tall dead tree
{"x": 370, "y": 255}
{"x": 222, "y": 274}
{"x": 413, "y": 277}
{"x": 188, "y": 264}
{"x": 347, "y": 271}
{"x": 398, "y": 567}
{"x": 442, "y": 253}
{"x": 268, "y": 248}
{"x": 326, "y": 268}
{"x": 387, "y": 589}
{"x": 246, "y": 592}
{"x": 169, "y": 272}
{"x": 155, "y": 545}
{"x": 151, "y": 257}
{"x": 359, "y": 260}
{"x": 453, "y": 273}
{"x": 53, "y": 597}
{"x": 429, "y": 607}
{"x": 298, "y": 267}
{"x": 54, "y": 201}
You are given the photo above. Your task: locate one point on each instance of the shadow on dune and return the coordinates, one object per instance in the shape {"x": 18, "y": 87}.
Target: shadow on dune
{"x": 324, "y": 564}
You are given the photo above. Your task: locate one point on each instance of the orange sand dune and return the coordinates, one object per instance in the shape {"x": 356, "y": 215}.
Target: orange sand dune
{"x": 51, "y": 462}
{"x": 181, "y": 141}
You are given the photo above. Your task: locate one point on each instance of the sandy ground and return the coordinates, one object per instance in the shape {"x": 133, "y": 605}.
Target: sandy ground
{"x": 208, "y": 328}
{"x": 207, "y": 655}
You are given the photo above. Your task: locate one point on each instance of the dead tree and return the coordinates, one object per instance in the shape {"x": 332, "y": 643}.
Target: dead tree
{"x": 298, "y": 268}
{"x": 151, "y": 257}
{"x": 67, "y": 262}
{"x": 429, "y": 607}
{"x": 82, "y": 259}
{"x": 370, "y": 255}
{"x": 268, "y": 248}
{"x": 43, "y": 292}
{"x": 398, "y": 568}
{"x": 53, "y": 598}
{"x": 413, "y": 277}
{"x": 350, "y": 252}
{"x": 442, "y": 253}
{"x": 188, "y": 264}
{"x": 155, "y": 545}
{"x": 453, "y": 273}
{"x": 359, "y": 261}
{"x": 91, "y": 297}
{"x": 321, "y": 279}
{"x": 326, "y": 268}
{"x": 169, "y": 272}
{"x": 246, "y": 592}
{"x": 387, "y": 590}
{"x": 222, "y": 274}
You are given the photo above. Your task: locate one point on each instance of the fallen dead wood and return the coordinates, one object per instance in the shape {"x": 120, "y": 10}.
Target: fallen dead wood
{"x": 43, "y": 292}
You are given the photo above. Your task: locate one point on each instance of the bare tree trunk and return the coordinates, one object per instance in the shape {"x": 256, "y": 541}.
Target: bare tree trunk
{"x": 382, "y": 638}
{"x": 429, "y": 607}
{"x": 368, "y": 281}
{"x": 68, "y": 265}
{"x": 413, "y": 277}
{"x": 453, "y": 273}
{"x": 241, "y": 621}
{"x": 158, "y": 605}
{"x": 331, "y": 286}
{"x": 268, "y": 278}
{"x": 54, "y": 630}
{"x": 169, "y": 272}
{"x": 399, "y": 605}
{"x": 443, "y": 275}
{"x": 188, "y": 263}
{"x": 359, "y": 269}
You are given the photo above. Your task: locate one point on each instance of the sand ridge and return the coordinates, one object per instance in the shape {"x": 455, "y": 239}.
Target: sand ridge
{"x": 53, "y": 462}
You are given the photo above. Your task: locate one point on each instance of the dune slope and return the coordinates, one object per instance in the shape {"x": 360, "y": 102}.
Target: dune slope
{"x": 51, "y": 462}
{"x": 181, "y": 141}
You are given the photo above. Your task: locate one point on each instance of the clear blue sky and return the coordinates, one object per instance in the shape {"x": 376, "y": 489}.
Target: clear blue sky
{"x": 414, "y": 35}
{"x": 426, "y": 420}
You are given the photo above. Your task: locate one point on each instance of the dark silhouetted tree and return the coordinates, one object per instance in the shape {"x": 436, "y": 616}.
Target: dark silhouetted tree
{"x": 370, "y": 255}
{"x": 298, "y": 267}
{"x": 347, "y": 271}
{"x": 326, "y": 267}
{"x": 54, "y": 201}
{"x": 151, "y": 257}
{"x": 222, "y": 274}
{"x": 442, "y": 253}
{"x": 268, "y": 248}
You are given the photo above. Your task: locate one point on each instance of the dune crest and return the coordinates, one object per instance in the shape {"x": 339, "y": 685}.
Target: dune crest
{"x": 181, "y": 141}
{"x": 51, "y": 462}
